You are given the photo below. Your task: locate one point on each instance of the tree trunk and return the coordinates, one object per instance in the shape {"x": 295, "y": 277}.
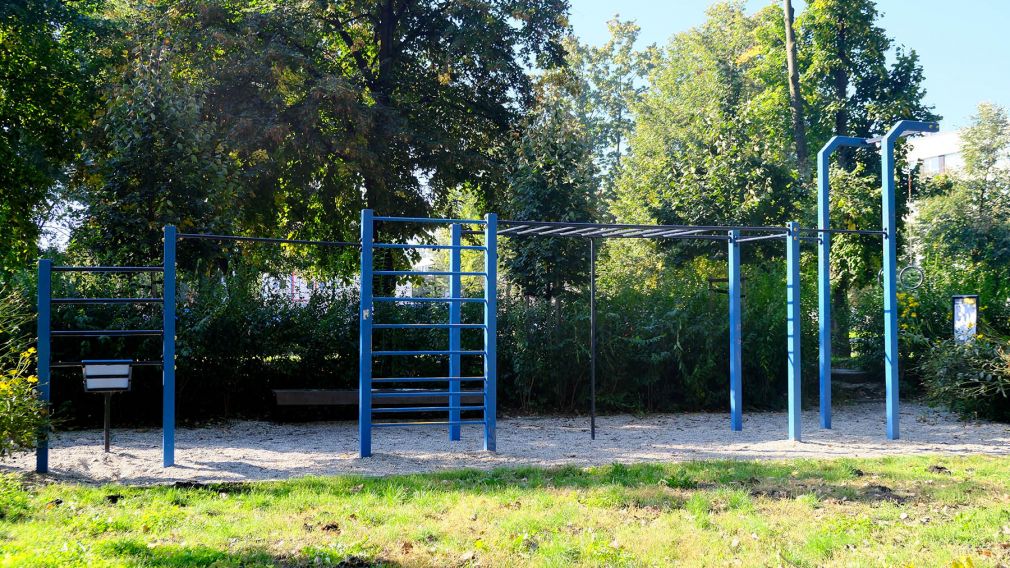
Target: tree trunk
{"x": 795, "y": 96}
{"x": 840, "y": 77}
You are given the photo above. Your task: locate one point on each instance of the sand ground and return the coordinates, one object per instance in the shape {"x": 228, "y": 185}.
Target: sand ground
{"x": 247, "y": 450}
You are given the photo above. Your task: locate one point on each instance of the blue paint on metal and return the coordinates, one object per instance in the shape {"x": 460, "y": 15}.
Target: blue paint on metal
{"x": 735, "y": 336}
{"x": 490, "y": 332}
{"x": 44, "y": 355}
{"x": 455, "y": 317}
{"x": 427, "y": 325}
{"x": 889, "y": 214}
{"x": 409, "y": 300}
{"x": 168, "y": 351}
{"x": 423, "y": 246}
{"x": 430, "y": 220}
{"x": 365, "y": 338}
{"x": 793, "y": 328}
{"x": 824, "y": 268}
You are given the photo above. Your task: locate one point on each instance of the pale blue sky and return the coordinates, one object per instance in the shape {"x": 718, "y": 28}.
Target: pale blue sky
{"x": 964, "y": 46}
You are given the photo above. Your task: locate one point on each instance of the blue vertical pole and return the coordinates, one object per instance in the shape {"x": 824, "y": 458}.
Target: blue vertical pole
{"x": 735, "y": 336}
{"x": 44, "y": 327}
{"x": 793, "y": 327}
{"x": 824, "y": 268}
{"x": 889, "y": 221}
{"x": 168, "y": 351}
{"x": 490, "y": 331}
{"x": 366, "y": 313}
{"x": 455, "y": 318}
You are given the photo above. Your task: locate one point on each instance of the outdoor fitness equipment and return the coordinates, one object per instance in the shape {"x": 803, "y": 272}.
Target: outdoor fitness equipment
{"x": 733, "y": 236}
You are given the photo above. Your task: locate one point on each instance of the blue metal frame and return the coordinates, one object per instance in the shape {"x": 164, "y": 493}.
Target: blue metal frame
{"x": 491, "y": 332}
{"x": 44, "y": 354}
{"x": 168, "y": 351}
{"x": 888, "y": 219}
{"x": 365, "y": 338}
{"x": 455, "y": 318}
{"x": 793, "y": 329}
{"x": 824, "y": 267}
{"x": 735, "y": 335}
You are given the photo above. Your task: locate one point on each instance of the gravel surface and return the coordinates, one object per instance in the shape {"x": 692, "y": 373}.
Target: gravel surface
{"x": 245, "y": 450}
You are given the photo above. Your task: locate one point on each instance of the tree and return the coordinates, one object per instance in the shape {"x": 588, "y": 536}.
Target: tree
{"x": 46, "y": 66}
{"x": 795, "y": 96}
{"x": 986, "y": 150}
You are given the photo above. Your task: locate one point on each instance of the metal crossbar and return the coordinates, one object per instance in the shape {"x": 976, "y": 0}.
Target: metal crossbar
{"x": 404, "y": 409}
{"x": 426, "y": 352}
{"x": 107, "y": 300}
{"x": 122, "y": 269}
{"x": 409, "y": 299}
{"x": 212, "y": 237}
{"x": 433, "y": 423}
{"x": 424, "y": 273}
{"x": 425, "y": 246}
{"x": 430, "y": 220}
{"x": 425, "y": 379}
{"x": 107, "y": 333}
{"x": 428, "y": 326}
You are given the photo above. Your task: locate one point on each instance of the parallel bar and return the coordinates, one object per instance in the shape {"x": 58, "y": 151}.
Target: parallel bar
{"x": 427, "y": 326}
{"x": 365, "y": 338}
{"x": 106, "y": 300}
{"x": 845, "y": 231}
{"x": 491, "y": 333}
{"x": 108, "y": 333}
{"x": 107, "y": 268}
{"x": 211, "y": 237}
{"x": 425, "y": 379}
{"x": 406, "y": 409}
{"x": 760, "y": 238}
{"x": 432, "y": 247}
{"x": 425, "y": 352}
{"x": 43, "y": 348}
{"x": 168, "y": 351}
{"x": 592, "y": 339}
{"x": 430, "y": 220}
{"x": 423, "y": 300}
{"x": 436, "y": 423}
{"x": 77, "y": 364}
{"x": 793, "y": 330}
{"x": 378, "y": 393}
{"x": 576, "y": 225}
{"x": 425, "y": 272}
{"x": 735, "y": 335}
{"x": 455, "y": 317}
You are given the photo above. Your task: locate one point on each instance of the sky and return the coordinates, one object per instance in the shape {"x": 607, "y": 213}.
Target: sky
{"x": 965, "y": 54}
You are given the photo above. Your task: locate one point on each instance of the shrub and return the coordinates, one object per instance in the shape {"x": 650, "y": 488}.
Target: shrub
{"x": 22, "y": 415}
{"x": 971, "y": 379}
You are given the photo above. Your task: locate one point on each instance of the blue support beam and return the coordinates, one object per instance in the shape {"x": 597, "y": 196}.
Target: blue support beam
{"x": 889, "y": 220}
{"x": 824, "y": 267}
{"x": 168, "y": 351}
{"x": 490, "y": 331}
{"x": 366, "y": 313}
{"x": 735, "y": 335}
{"x": 45, "y": 292}
{"x": 793, "y": 329}
{"x": 455, "y": 318}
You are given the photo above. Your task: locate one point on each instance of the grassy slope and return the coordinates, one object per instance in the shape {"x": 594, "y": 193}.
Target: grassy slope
{"x": 892, "y": 511}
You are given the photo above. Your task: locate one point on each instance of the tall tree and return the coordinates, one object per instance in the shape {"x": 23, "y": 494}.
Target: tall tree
{"x": 795, "y": 95}
{"x": 46, "y": 58}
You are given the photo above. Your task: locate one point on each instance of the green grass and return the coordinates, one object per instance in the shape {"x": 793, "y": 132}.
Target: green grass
{"x": 877, "y": 512}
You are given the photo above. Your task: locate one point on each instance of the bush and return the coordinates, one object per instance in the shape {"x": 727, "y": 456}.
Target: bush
{"x": 23, "y": 416}
{"x": 971, "y": 379}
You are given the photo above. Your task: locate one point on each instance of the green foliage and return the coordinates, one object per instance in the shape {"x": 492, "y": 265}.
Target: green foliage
{"x": 972, "y": 379}
{"x": 23, "y": 417}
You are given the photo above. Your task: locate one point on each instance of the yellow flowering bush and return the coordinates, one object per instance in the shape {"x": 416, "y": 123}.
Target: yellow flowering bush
{"x": 22, "y": 415}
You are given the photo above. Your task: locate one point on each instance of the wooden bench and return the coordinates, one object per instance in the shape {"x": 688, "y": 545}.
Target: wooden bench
{"x": 349, "y": 397}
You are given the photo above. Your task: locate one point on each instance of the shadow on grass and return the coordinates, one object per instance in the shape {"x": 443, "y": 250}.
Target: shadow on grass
{"x": 136, "y": 552}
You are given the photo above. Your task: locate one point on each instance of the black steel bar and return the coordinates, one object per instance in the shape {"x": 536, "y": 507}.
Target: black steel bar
{"x": 108, "y": 333}
{"x": 210, "y": 237}
{"x": 760, "y": 238}
{"x": 77, "y": 364}
{"x": 577, "y": 225}
{"x": 844, "y": 231}
{"x": 592, "y": 339}
{"x": 106, "y": 300}
{"x": 108, "y": 269}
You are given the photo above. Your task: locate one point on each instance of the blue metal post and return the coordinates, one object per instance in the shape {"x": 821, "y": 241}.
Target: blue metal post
{"x": 793, "y": 328}
{"x": 735, "y": 336}
{"x": 490, "y": 331}
{"x": 365, "y": 338}
{"x": 889, "y": 220}
{"x": 168, "y": 351}
{"x": 824, "y": 268}
{"x": 455, "y": 318}
{"x": 44, "y": 327}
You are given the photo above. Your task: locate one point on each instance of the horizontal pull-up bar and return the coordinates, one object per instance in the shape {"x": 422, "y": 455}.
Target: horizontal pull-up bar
{"x": 431, "y": 221}
{"x": 108, "y": 333}
{"x": 78, "y": 364}
{"x": 532, "y": 227}
{"x": 211, "y": 237}
{"x": 760, "y": 238}
{"x": 107, "y": 300}
{"x": 844, "y": 231}
{"x": 108, "y": 269}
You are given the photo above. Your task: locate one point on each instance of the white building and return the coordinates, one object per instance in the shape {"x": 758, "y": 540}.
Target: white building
{"x": 938, "y": 153}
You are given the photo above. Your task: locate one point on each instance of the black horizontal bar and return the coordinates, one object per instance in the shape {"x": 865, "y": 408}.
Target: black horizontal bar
{"x": 398, "y": 393}
{"x": 401, "y": 409}
{"x": 107, "y": 300}
{"x": 759, "y": 238}
{"x": 425, "y": 379}
{"x": 509, "y": 225}
{"x": 211, "y": 237}
{"x": 73, "y": 364}
{"x": 108, "y": 269}
{"x": 435, "y": 423}
{"x": 845, "y": 231}
{"x": 107, "y": 333}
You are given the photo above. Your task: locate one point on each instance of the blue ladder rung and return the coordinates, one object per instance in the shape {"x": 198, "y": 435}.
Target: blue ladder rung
{"x": 428, "y": 326}
{"x": 396, "y": 409}
{"x": 425, "y": 379}
{"x": 425, "y": 273}
{"x": 436, "y": 423}
{"x": 107, "y": 333}
{"x": 395, "y": 394}
{"x": 432, "y": 247}
{"x": 108, "y": 269}
{"x": 433, "y": 220}
{"x": 423, "y": 300}
{"x": 106, "y": 300}
{"x": 425, "y": 352}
